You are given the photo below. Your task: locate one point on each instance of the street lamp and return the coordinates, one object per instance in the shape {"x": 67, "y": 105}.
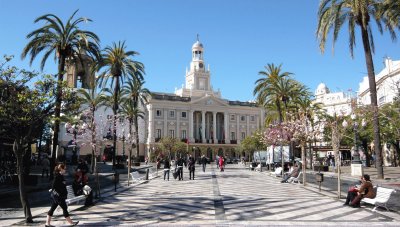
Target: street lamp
{"x": 356, "y": 167}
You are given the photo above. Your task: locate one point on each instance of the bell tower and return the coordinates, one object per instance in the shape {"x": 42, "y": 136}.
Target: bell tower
{"x": 198, "y": 77}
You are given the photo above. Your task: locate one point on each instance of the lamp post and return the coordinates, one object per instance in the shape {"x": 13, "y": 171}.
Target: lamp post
{"x": 356, "y": 166}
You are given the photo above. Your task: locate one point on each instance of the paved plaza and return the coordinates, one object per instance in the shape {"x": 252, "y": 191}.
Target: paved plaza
{"x": 236, "y": 197}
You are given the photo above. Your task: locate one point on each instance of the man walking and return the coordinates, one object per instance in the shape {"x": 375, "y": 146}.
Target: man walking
{"x": 179, "y": 167}
{"x": 167, "y": 167}
{"x": 191, "y": 167}
{"x": 204, "y": 162}
{"x": 45, "y": 166}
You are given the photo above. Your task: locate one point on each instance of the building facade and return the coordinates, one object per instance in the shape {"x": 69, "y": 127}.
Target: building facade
{"x": 198, "y": 114}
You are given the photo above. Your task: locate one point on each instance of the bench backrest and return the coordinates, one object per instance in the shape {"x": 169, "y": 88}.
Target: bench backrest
{"x": 383, "y": 194}
{"x": 70, "y": 191}
{"x": 278, "y": 171}
{"x": 299, "y": 176}
{"x": 135, "y": 175}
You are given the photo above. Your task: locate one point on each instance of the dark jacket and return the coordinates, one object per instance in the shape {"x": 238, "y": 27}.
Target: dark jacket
{"x": 191, "y": 164}
{"x": 59, "y": 185}
{"x": 204, "y": 160}
{"x": 167, "y": 165}
{"x": 179, "y": 162}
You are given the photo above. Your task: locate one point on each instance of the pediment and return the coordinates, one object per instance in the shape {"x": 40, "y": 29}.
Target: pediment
{"x": 210, "y": 100}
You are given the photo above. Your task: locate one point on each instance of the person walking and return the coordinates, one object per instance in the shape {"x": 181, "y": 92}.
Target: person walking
{"x": 45, "y": 166}
{"x": 191, "y": 167}
{"x": 167, "y": 167}
{"x": 204, "y": 162}
{"x": 59, "y": 194}
{"x": 221, "y": 163}
{"x": 179, "y": 167}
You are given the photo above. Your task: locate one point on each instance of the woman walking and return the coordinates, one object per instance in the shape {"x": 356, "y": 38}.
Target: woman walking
{"x": 59, "y": 194}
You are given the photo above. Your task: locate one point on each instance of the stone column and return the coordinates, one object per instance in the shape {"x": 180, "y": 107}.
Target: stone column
{"x": 165, "y": 123}
{"x": 247, "y": 125}
{"x": 226, "y": 129}
{"x": 178, "y": 127}
{"x": 215, "y": 127}
{"x": 150, "y": 136}
{"x": 237, "y": 128}
{"x": 191, "y": 112}
{"x": 203, "y": 126}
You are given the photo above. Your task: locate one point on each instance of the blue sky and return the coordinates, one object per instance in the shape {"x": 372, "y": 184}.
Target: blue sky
{"x": 240, "y": 37}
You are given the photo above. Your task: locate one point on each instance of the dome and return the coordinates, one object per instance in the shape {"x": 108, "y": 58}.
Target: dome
{"x": 197, "y": 45}
{"x": 322, "y": 89}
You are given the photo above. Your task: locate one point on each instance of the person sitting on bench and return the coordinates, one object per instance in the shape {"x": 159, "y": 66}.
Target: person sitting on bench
{"x": 289, "y": 177}
{"x": 355, "y": 194}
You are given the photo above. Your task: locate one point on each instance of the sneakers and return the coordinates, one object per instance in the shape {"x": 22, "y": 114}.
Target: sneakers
{"x": 74, "y": 223}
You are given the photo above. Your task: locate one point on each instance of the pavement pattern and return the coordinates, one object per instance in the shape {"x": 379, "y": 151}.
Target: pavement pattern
{"x": 235, "y": 197}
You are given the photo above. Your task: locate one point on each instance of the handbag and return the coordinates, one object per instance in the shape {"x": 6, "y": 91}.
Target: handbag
{"x": 54, "y": 195}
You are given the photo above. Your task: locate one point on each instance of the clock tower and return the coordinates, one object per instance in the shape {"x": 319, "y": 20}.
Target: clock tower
{"x": 198, "y": 76}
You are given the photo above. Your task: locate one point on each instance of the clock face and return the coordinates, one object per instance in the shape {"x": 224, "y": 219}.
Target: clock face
{"x": 201, "y": 65}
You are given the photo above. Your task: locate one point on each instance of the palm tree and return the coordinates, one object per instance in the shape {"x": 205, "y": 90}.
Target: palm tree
{"x": 108, "y": 100}
{"x": 130, "y": 113}
{"x": 332, "y": 15}
{"x": 135, "y": 91}
{"x": 66, "y": 41}
{"x": 274, "y": 89}
{"x": 93, "y": 100}
{"x": 118, "y": 66}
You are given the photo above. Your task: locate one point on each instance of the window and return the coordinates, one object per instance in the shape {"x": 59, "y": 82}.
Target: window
{"x": 252, "y": 118}
{"x": 121, "y": 120}
{"x": 233, "y": 136}
{"x": 243, "y": 135}
{"x": 232, "y": 117}
{"x": 242, "y": 118}
{"x": 183, "y": 114}
{"x": 158, "y": 134}
{"x": 183, "y": 134}
{"x": 171, "y": 113}
{"x": 158, "y": 113}
{"x": 171, "y": 133}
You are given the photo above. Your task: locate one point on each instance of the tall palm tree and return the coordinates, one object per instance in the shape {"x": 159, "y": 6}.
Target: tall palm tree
{"x": 135, "y": 91}
{"x": 332, "y": 15}
{"x": 118, "y": 66}
{"x": 130, "y": 113}
{"x": 274, "y": 88}
{"x": 66, "y": 41}
{"x": 108, "y": 101}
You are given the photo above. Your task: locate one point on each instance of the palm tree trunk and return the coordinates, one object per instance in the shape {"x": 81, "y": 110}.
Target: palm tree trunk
{"x": 115, "y": 109}
{"x": 57, "y": 112}
{"x": 93, "y": 124}
{"x": 19, "y": 153}
{"x": 130, "y": 153}
{"x": 374, "y": 101}
{"x": 303, "y": 160}
{"x": 137, "y": 137}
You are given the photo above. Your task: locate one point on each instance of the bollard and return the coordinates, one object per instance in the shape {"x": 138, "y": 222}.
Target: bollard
{"x": 116, "y": 180}
{"x": 147, "y": 174}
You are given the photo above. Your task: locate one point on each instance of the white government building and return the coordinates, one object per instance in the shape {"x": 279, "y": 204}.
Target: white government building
{"x": 195, "y": 112}
{"x": 199, "y": 114}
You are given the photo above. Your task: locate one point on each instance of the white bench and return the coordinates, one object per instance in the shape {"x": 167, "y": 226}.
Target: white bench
{"x": 258, "y": 168}
{"x": 381, "y": 198}
{"x": 71, "y": 197}
{"x": 136, "y": 177}
{"x": 297, "y": 179}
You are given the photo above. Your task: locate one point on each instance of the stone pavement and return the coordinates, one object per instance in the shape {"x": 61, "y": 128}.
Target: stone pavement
{"x": 236, "y": 197}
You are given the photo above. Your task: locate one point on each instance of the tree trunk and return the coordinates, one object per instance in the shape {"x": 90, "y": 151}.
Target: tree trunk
{"x": 93, "y": 128}
{"x": 19, "y": 153}
{"x": 137, "y": 137}
{"x": 130, "y": 152}
{"x": 115, "y": 109}
{"x": 57, "y": 112}
{"x": 374, "y": 101}
{"x": 303, "y": 160}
